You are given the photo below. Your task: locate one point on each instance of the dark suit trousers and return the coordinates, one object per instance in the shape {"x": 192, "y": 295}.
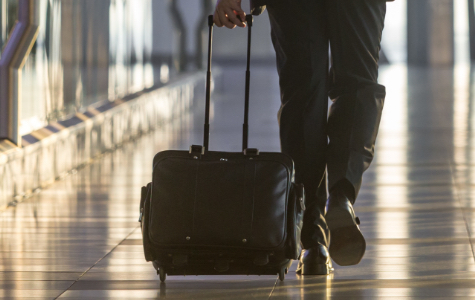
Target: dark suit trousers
{"x": 342, "y": 139}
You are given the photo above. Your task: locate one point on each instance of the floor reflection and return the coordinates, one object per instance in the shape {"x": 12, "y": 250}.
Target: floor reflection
{"x": 305, "y": 288}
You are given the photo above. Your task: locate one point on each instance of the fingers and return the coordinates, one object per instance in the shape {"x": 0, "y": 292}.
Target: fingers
{"x": 216, "y": 19}
{"x": 234, "y": 18}
{"x": 229, "y": 13}
{"x": 224, "y": 20}
{"x": 238, "y": 10}
{"x": 242, "y": 16}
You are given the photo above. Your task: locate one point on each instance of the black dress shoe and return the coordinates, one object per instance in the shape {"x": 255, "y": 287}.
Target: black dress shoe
{"x": 347, "y": 244}
{"x": 315, "y": 261}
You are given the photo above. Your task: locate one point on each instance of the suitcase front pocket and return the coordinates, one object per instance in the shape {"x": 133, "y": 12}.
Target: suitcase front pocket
{"x": 219, "y": 203}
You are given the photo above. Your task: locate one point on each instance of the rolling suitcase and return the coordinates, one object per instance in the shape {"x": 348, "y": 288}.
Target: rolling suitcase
{"x": 208, "y": 212}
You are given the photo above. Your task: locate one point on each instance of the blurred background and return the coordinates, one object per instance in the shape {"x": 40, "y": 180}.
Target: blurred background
{"x": 87, "y": 51}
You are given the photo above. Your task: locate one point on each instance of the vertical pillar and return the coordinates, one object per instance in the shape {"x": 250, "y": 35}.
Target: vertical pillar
{"x": 3, "y": 23}
{"x": 181, "y": 61}
{"x": 430, "y": 32}
{"x": 95, "y": 50}
{"x": 85, "y": 51}
{"x": 201, "y": 31}
{"x": 13, "y": 58}
{"x": 471, "y": 26}
{"x": 71, "y": 53}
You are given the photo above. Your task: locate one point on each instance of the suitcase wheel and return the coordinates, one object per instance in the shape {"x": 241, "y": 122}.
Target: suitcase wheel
{"x": 162, "y": 274}
{"x": 282, "y": 274}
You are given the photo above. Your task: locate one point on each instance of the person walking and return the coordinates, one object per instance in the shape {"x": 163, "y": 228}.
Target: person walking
{"x": 337, "y": 143}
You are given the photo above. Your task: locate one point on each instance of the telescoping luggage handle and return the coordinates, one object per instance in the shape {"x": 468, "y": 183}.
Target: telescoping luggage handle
{"x": 245, "y": 129}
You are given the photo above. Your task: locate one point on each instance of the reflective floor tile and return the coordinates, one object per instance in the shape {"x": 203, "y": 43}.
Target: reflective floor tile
{"x": 29, "y": 275}
{"x": 165, "y": 293}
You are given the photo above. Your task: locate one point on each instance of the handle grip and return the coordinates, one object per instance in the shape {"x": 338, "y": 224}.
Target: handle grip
{"x": 210, "y": 20}
{"x": 249, "y": 20}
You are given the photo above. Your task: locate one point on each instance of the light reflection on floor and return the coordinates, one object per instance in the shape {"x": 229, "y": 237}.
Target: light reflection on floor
{"x": 80, "y": 237}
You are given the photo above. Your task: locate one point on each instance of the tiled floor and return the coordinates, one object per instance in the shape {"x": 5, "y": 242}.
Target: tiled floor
{"x": 79, "y": 238}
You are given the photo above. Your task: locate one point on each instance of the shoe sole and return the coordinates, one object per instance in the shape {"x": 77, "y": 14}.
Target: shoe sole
{"x": 347, "y": 244}
{"x": 319, "y": 269}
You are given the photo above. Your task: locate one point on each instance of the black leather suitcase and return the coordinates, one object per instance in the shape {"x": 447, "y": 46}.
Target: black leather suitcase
{"x": 208, "y": 212}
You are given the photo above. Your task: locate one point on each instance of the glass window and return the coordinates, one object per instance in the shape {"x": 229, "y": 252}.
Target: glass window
{"x": 86, "y": 52}
{"x": 8, "y": 17}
